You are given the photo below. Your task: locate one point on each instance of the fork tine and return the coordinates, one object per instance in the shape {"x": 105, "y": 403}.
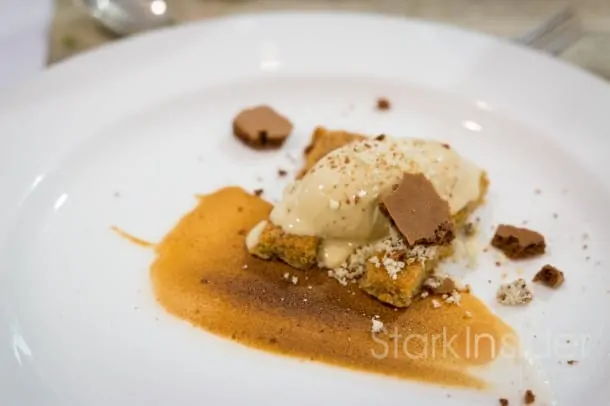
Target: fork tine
{"x": 556, "y": 34}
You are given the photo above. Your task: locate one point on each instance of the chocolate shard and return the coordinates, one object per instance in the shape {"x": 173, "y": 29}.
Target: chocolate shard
{"x": 261, "y": 127}
{"x": 517, "y": 243}
{"x": 418, "y": 212}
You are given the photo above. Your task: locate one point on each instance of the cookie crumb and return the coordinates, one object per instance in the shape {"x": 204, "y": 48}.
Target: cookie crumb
{"x": 258, "y": 192}
{"x": 514, "y": 293}
{"x": 380, "y": 137}
{"x": 572, "y": 362}
{"x": 282, "y": 172}
{"x": 383, "y": 104}
{"x": 549, "y": 276}
{"x": 503, "y": 402}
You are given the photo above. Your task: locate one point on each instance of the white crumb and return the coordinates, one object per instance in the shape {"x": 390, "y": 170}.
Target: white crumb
{"x": 454, "y": 298}
{"x": 514, "y": 293}
{"x": 286, "y": 275}
{"x": 435, "y": 304}
{"x": 295, "y": 280}
{"x": 377, "y": 325}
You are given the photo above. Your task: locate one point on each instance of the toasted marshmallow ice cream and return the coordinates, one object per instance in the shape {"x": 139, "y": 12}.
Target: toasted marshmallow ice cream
{"x": 338, "y": 199}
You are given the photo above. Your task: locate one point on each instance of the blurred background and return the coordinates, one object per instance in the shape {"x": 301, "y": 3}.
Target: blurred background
{"x": 35, "y": 34}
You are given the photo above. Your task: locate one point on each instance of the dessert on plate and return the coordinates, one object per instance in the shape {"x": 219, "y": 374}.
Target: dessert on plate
{"x": 380, "y": 212}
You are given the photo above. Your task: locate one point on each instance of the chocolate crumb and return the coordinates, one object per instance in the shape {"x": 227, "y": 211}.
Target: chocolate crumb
{"x": 549, "y": 276}
{"x": 261, "y": 127}
{"x": 518, "y": 243}
{"x": 529, "y": 397}
{"x": 380, "y": 137}
{"x": 205, "y": 281}
{"x": 446, "y": 146}
{"x": 498, "y": 263}
{"x": 258, "y": 192}
{"x": 572, "y": 362}
{"x": 282, "y": 172}
{"x": 418, "y": 212}
{"x": 503, "y": 402}
{"x": 383, "y": 104}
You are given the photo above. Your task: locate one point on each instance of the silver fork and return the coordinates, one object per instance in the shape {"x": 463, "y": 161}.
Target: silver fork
{"x": 556, "y": 34}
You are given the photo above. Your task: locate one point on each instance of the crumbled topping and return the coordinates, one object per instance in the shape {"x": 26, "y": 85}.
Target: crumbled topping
{"x": 440, "y": 285}
{"x": 435, "y": 303}
{"x": 375, "y": 261}
{"x": 390, "y": 252}
{"x": 514, "y": 293}
{"x": 454, "y": 298}
{"x": 549, "y": 276}
{"x": 294, "y": 280}
{"x": 377, "y": 325}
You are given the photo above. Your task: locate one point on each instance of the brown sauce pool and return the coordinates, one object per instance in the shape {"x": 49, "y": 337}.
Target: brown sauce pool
{"x": 203, "y": 274}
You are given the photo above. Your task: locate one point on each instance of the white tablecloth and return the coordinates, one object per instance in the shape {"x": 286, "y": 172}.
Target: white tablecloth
{"x": 24, "y": 36}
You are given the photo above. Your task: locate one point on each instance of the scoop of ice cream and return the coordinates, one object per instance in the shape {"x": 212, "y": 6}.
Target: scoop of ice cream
{"x": 338, "y": 199}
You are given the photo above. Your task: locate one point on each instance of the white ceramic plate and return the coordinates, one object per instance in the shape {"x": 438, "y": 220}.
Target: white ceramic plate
{"x": 126, "y": 135}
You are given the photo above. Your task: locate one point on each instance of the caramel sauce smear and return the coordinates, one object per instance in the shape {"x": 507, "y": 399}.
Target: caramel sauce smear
{"x": 203, "y": 274}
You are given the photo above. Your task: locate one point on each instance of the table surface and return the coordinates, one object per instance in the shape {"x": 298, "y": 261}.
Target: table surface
{"x": 73, "y": 31}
